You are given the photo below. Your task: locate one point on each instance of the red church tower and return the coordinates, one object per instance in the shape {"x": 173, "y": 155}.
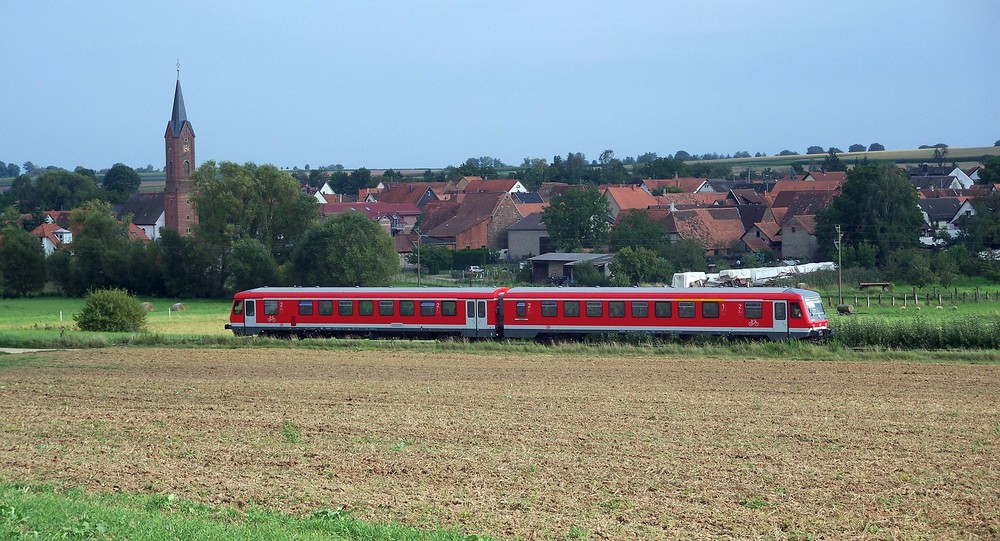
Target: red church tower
{"x": 178, "y": 211}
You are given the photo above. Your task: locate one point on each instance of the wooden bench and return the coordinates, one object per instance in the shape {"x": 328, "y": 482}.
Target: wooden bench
{"x": 884, "y": 285}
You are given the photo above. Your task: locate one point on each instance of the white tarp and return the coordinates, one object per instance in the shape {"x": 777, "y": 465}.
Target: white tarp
{"x": 751, "y": 276}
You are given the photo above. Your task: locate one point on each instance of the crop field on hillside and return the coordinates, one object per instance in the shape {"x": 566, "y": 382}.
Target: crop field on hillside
{"x": 532, "y": 446}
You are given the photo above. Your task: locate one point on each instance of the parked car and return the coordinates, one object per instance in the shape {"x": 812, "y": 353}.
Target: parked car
{"x": 474, "y": 269}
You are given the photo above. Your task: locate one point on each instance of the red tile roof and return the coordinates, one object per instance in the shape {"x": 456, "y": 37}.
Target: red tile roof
{"x": 716, "y": 228}
{"x": 687, "y": 184}
{"x": 630, "y": 197}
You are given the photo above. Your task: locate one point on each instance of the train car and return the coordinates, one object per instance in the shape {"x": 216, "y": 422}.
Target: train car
{"x": 773, "y": 313}
{"x": 358, "y": 311}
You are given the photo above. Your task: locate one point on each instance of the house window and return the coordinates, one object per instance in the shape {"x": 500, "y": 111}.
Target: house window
{"x": 550, "y": 308}
{"x": 640, "y": 309}
{"x": 305, "y": 308}
{"x": 345, "y": 308}
{"x": 270, "y": 308}
{"x": 616, "y": 308}
{"x": 571, "y": 308}
{"x": 187, "y": 168}
{"x": 710, "y": 309}
{"x": 366, "y": 308}
{"x": 325, "y": 308}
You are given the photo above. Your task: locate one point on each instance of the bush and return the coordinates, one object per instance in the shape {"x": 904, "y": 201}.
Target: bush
{"x": 111, "y": 310}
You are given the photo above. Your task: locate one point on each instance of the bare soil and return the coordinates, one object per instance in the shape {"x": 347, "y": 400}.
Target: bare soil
{"x": 537, "y": 447}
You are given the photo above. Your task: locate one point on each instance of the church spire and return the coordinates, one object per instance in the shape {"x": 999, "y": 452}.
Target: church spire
{"x": 179, "y": 115}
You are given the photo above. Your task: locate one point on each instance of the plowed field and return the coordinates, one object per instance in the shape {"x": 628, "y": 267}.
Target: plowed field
{"x": 537, "y": 447}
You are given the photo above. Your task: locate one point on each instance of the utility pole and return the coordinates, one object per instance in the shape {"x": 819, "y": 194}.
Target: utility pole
{"x": 840, "y": 265}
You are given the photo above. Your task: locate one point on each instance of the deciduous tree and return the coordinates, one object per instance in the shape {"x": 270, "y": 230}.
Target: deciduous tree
{"x": 577, "y": 219}
{"x": 121, "y": 181}
{"x": 22, "y": 262}
{"x": 346, "y": 250}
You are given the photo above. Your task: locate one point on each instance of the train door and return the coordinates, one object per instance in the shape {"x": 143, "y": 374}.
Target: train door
{"x": 249, "y": 315}
{"x": 781, "y": 318}
{"x": 475, "y": 319}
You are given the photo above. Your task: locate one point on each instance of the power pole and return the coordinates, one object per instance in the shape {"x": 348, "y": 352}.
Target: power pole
{"x": 840, "y": 265}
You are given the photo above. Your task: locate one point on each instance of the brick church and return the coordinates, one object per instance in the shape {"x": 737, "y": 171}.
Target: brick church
{"x": 171, "y": 208}
{"x": 178, "y": 212}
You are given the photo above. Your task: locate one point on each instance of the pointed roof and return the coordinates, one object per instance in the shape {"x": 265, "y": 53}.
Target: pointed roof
{"x": 179, "y": 116}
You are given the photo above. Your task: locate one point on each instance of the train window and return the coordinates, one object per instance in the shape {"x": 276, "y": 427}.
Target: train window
{"x": 571, "y": 308}
{"x": 345, "y": 308}
{"x": 366, "y": 308}
{"x": 325, "y": 308}
{"x": 595, "y": 308}
{"x": 521, "y": 309}
{"x": 238, "y": 307}
{"x": 616, "y": 308}
{"x": 385, "y": 308}
{"x": 406, "y": 308}
{"x": 709, "y": 309}
{"x": 482, "y": 308}
{"x": 795, "y": 311}
{"x": 250, "y": 305}
{"x": 448, "y": 308}
{"x": 779, "y": 311}
{"x": 305, "y": 308}
{"x": 550, "y": 309}
{"x": 640, "y": 309}
{"x": 270, "y": 308}
{"x": 470, "y": 309}
{"x": 685, "y": 309}
{"x": 427, "y": 308}
{"x": 664, "y": 308}
{"x": 753, "y": 310}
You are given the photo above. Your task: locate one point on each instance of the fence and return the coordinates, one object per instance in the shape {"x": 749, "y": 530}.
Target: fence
{"x": 935, "y": 297}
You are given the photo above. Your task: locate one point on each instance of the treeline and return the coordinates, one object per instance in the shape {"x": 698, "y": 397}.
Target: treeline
{"x": 256, "y": 228}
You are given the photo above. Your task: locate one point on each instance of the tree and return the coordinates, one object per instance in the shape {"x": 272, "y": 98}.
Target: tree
{"x": 997, "y": 143}
{"x": 121, "y": 181}
{"x": 252, "y": 265}
{"x": 940, "y": 155}
{"x": 832, "y": 162}
{"x": 635, "y": 229}
{"x": 684, "y": 256}
{"x": 639, "y": 266}
{"x": 878, "y": 206}
{"x": 788, "y": 153}
{"x": 54, "y": 190}
{"x": 682, "y": 155}
{"x": 665, "y": 168}
{"x": 100, "y": 246}
{"x": 22, "y": 262}
{"x": 875, "y": 147}
{"x": 835, "y": 150}
{"x": 251, "y": 201}
{"x": 533, "y": 172}
{"x": 990, "y": 172}
{"x": 577, "y": 219}
{"x": 346, "y": 250}
{"x": 815, "y": 150}
{"x": 856, "y": 148}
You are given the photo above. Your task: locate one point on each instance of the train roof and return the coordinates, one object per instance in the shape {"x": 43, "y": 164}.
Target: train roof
{"x": 685, "y": 291}
{"x": 303, "y": 290}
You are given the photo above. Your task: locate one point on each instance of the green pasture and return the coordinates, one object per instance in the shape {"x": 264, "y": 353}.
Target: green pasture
{"x": 52, "y": 512}
{"x": 962, "y": 156}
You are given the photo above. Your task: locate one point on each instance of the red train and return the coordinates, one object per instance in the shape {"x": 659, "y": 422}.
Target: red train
{"x": 528, "y": 312}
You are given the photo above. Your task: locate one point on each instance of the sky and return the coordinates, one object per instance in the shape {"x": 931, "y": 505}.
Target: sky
{"x": 429, "y": 83}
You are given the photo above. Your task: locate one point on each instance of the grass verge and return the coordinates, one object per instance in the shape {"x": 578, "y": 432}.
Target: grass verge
{"x": 46, "y": 512}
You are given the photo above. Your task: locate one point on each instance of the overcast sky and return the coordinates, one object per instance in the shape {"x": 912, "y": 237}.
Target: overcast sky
{"x": 426, "y": 84}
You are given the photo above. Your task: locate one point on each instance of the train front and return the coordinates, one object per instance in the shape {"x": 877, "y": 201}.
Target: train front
{"x": 819, "y": 325}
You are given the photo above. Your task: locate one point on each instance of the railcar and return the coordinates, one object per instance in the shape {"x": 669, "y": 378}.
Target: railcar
{"x": 773, "y": 313}
{"x": 528, "y": 312}
{"x": 356, "y": 311}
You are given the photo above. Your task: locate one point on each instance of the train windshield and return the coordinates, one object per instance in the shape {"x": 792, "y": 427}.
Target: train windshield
{"x": 815, "y": 307}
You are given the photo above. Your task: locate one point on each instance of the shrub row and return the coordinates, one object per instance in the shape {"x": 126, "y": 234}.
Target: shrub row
{"x": 976, "y": 332}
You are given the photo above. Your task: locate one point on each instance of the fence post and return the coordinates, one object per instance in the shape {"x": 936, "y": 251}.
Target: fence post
{"x": 977, "y": 293}
{"x": 893, "y": 298}
{"x": 869, "y": 299}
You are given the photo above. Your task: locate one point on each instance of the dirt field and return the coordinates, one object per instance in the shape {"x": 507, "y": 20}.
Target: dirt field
{"x": 537, "y": 447}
